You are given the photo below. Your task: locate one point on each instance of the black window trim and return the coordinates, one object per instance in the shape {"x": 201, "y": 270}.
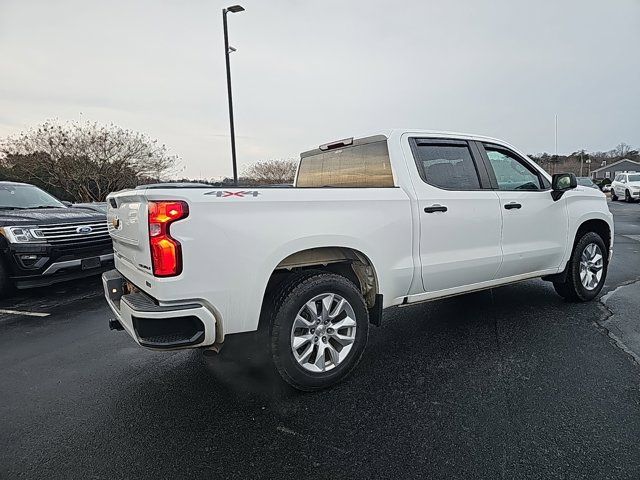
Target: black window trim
{"x": 478, "y": 163}
{"x": 545, "y": 186}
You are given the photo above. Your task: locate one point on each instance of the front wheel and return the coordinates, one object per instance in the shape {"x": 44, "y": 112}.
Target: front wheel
{"x": 586, "y": 270}
{"x": 627, "y": 196}
{"x": 319, "y": 330}
{"x": 6, "y": 287}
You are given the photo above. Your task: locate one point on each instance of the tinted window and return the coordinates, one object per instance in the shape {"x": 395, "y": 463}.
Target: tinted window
{"x": 511, "y": 173}
{"x": 365, "y": 165}
{"x": 447, "y": 166}
{"x": 634, "y": 178}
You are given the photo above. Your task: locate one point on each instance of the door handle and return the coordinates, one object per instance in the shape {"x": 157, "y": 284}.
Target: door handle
{"x": 435, "y": 208}
{"x": 512, "y": 205}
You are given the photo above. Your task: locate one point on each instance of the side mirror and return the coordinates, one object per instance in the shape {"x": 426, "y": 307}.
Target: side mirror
{"x": 560, "y": 183}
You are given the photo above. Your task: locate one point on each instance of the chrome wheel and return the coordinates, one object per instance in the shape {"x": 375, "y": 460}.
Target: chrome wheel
{"x": 591, "y": 266}
{"x": 323, "y": 332}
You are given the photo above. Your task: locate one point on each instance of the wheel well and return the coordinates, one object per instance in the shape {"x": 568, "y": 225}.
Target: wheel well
{"x": 348, "y": 262}
{"x": 598, "y": 226}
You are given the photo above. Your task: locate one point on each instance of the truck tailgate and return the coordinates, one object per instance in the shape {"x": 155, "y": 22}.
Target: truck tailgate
{"x": 127, "y": 223}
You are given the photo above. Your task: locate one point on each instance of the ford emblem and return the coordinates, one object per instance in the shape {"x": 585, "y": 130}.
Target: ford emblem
{"x": 84, "y": 229}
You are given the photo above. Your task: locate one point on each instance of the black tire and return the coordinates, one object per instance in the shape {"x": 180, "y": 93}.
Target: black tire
{"x": 6, "y": 287}
{"x": 627, "y": 196}
{"x": 290, "y": 299}
{"x": 572, "y": 288}
{"x": 614, "y": 198}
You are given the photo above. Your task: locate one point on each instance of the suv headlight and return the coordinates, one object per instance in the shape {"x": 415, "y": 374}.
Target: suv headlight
{"x": 22, "y": 234}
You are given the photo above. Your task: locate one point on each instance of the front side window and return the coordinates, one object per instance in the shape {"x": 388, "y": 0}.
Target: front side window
{"x": 511, "y": 173}
{"x": 448, "y": 166}
{"x": 365, "y": 165}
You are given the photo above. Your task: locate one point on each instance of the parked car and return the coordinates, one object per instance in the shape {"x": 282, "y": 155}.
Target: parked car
{"x": 606, "y": 188}
{"x": 43, "y": 241}
{"x": 587, "y": 182}
{"x": 397, "y": 218}
{"x": 627, "y": 186}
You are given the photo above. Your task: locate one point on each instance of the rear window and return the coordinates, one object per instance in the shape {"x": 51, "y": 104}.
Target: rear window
{"x": 358, "y": 166}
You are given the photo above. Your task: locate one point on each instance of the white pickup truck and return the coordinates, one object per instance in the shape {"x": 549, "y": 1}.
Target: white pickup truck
{"x": 395, "y": 218}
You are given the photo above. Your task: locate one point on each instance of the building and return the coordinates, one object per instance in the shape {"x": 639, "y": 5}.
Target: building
{"x": 610, "y": 171}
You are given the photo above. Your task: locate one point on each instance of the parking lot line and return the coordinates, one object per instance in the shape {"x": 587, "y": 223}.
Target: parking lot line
{"x": 29, "y": 314}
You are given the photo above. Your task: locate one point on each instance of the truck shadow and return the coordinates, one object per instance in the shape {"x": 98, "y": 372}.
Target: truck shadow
{"x": 41, "y": 298}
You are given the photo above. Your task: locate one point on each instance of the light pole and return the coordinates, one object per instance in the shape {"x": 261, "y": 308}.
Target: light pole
{"x": 227, "y": 51}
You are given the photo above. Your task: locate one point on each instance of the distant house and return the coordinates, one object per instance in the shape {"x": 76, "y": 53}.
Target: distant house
{"x": 610, "y": 171}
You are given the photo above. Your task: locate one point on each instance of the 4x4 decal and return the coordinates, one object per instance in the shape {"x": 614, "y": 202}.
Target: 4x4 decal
{"x": 239, "y": 194}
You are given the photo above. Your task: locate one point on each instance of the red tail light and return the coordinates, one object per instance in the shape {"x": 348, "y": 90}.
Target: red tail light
{"x": 166, "y": 252}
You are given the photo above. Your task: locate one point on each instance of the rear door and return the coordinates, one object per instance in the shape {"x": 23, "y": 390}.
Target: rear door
{"x": 459, "y": 215}
{"x": 534, "y": 226}
{"x": 127, "y": 223}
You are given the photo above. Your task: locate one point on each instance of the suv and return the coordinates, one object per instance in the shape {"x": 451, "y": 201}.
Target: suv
{"x": 42, "y": 241}
{"x": 395, "y": 218}
{"x": 626, "y": 185}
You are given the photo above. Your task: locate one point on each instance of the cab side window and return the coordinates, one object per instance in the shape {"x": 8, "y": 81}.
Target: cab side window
{"x": 446, "y": 165}
{"x": 511, "y": 172}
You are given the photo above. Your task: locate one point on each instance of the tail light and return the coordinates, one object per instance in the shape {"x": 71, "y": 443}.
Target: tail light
{"x": 166, "y": 252}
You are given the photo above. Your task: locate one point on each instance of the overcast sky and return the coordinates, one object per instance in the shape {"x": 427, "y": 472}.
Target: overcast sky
{"x": 307, "y": 72}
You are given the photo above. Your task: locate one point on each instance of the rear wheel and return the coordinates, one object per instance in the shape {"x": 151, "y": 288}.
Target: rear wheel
{"x": 586, "y": 270}
{"x": 614, "y": 197}
{"x": 319, "y": 330}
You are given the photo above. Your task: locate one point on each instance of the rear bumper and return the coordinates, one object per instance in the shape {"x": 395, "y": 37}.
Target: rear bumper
{"x": 158, "y": 326}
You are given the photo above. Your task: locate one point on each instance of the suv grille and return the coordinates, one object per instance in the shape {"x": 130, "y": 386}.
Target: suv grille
{"x": 76, "y": 233}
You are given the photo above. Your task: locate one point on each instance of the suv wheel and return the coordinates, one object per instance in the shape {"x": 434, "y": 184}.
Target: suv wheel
{"x": 6, "y": 287}
{"x": 586, "y": 270}
{"x": 319, "y": 330}
{"x": 627, "y": 196}
{"x": 614, "y": 197}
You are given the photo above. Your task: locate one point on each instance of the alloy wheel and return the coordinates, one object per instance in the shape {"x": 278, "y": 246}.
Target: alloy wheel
{"x": 591, "y": 266}
{"x": 323, "y": 332}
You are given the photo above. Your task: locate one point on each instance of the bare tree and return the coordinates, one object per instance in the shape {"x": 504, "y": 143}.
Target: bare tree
{"x": 84, "y": 161}
{"x": 271, "y": 172}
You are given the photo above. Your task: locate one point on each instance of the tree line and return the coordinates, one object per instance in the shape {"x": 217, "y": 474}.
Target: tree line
{"x": 85, "y": 161}
{"x": 583, "y": 162}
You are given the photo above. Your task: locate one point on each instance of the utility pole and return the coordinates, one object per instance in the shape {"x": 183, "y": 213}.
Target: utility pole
{"x": 227, "y": 51}
{"x": 556, "y": 144}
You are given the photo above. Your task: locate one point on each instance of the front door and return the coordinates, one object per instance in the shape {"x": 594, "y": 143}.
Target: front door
{"x": 459, "y": 215}
{"x": 534, "y": 226}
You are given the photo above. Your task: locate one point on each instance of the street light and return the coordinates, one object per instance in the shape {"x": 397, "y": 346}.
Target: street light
{"x": 227, "y": 51}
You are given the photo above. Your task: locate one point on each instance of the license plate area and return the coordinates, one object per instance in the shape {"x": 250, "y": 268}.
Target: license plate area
{"x": 89, "y": 263}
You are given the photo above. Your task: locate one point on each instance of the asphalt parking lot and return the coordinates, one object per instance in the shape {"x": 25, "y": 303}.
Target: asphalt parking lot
{"x": 508, "y": 383}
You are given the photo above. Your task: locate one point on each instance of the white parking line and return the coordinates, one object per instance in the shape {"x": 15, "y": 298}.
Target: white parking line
{"x": 29, "y": 314}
